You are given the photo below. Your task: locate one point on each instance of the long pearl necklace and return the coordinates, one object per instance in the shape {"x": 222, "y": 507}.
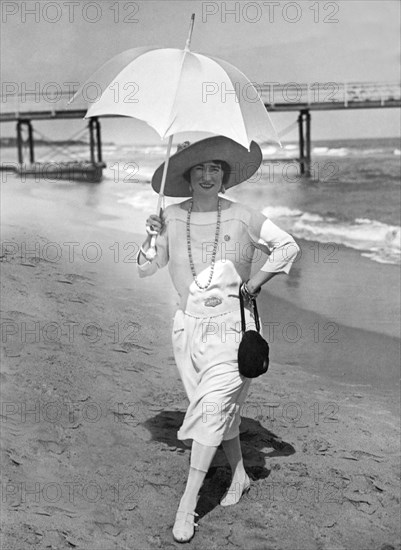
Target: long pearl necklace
{"x": 216, "y": 242}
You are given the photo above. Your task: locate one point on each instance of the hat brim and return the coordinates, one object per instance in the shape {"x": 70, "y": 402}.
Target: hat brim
{"x": 243, "y": 164}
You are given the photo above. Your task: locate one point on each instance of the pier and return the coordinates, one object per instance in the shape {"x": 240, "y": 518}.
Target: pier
{"x": 25, "y": 109}
{"x": 37, "y": 105}
{"x": 328, "y": 96}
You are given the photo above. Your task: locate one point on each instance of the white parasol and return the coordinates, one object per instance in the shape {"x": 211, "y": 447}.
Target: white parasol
{"x": 177, "y": 91}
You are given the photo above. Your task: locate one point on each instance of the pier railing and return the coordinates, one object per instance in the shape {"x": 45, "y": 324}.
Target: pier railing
{"x": 51, "y": 101}
{"x": 41, "y": 103}
{"x": 326, "y": 95}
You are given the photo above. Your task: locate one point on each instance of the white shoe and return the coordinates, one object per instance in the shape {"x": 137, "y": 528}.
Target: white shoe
{"x": 235, "y": 492}
{"x": 184, "y": 526}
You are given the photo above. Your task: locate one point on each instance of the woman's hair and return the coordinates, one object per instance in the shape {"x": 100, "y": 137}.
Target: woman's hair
{"x": 224, "y": 166}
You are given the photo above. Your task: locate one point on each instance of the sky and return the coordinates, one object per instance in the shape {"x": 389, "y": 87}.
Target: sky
{"x": 270, "y": 41}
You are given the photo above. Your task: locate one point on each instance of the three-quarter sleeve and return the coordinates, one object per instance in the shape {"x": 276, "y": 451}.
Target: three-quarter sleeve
{"x": 275, "y": 242}
{"x": 161, "y": 259}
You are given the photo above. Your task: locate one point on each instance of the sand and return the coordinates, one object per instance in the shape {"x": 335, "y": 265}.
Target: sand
{"x": 91, "y": 403}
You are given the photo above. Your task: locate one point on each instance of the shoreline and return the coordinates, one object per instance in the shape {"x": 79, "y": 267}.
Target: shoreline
{"x": 307, "y": 317}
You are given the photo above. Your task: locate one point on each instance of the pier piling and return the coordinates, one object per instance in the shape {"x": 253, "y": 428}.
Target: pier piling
{"x": 304, "y": 131}
{"x": 301, "y": 141}
{"x": 98, "y": 141}
{"x": 20, "y": 141}
{"x": 91, "y": 140}
{"x": 30, "y": 138}
{"x": 95, "y": 140}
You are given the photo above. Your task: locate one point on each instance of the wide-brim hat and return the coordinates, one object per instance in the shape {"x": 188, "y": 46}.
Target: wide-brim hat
{"x": 242, "y": 164}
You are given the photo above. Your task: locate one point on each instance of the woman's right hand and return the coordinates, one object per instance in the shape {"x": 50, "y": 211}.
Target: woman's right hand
{"x": 154, "y": 224}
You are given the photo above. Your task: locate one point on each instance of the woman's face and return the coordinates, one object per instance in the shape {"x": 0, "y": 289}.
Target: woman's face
{"x": 206, "y": 179}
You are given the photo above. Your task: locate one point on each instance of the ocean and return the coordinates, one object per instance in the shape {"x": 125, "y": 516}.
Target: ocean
{"x": 353, "y": 197}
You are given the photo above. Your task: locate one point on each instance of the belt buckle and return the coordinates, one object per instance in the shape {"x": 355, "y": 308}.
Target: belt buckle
{"x": 213, "y": 301}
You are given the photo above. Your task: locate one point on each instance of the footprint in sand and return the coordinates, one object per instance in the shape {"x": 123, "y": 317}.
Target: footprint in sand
{"x": 139, "y": 367}
{"x": 14, "y": 457}
{"x": 129, "y": 346}
{"x": 316, "y": 446}
{"x": 51, "y": 294}
{"x": 74, "y": 278}
{"x": 16, "y": 316}
{"x": 108, "y": 528}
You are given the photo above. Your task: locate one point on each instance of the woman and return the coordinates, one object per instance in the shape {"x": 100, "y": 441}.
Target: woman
{"x": 208, "y": 243}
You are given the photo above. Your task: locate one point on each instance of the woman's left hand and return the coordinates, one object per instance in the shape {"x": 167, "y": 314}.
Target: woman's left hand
{"x": 254, "y": 285}
{"x": 253, "y": 289}
{"x": 249, "y": 291}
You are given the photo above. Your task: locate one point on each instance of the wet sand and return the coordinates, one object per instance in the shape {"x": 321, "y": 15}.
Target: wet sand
{"x": 91, "y": 403}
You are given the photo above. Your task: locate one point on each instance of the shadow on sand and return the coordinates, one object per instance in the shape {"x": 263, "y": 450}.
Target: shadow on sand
{"x": 255, "y": 439}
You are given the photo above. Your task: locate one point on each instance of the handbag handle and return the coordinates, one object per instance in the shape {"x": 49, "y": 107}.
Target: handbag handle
{"x": 255, "y": 311}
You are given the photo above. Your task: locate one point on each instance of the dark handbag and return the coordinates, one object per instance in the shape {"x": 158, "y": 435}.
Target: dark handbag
{"x": 253, "y": 351}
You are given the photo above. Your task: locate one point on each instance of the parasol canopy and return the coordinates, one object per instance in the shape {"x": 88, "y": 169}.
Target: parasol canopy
{"x": 175, "y": 91}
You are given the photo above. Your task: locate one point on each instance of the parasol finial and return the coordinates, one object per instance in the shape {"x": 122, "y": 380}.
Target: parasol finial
{"x": 191, "y": 28}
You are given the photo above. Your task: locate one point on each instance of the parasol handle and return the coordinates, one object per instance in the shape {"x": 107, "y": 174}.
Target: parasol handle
{"x": 191, "y": 28}
{"x": 151, "y": 252}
